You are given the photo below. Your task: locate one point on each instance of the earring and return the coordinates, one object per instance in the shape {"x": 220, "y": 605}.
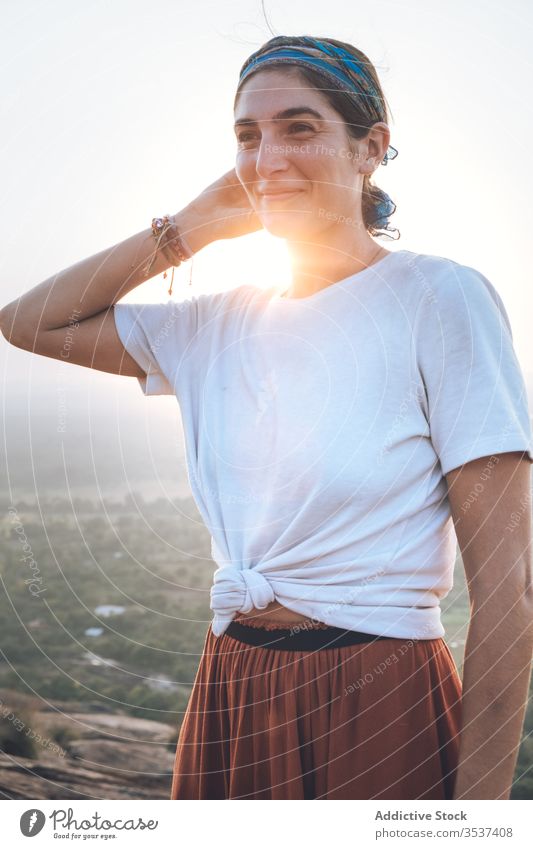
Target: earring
{"x": 391, "y": 153}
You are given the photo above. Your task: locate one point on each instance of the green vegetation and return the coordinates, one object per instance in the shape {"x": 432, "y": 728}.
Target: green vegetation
{"x": 157, "y": 566}
{"x": 152, "y": 559}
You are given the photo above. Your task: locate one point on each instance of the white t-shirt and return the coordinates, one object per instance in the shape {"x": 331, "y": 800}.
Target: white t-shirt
{"x": 318, "y": 431}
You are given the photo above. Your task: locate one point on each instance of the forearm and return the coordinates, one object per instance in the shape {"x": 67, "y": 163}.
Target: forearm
{"x": 496, "y": 675}
{"x": 93, "y": 284}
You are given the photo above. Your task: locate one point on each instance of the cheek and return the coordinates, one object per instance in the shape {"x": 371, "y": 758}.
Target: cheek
{"x": 244, "y": 163}
{"x": 238, "y": 166}
{"x": 337, "y": 178}
{"x": 324, "y": 169}
{"x": 245, "y": 172}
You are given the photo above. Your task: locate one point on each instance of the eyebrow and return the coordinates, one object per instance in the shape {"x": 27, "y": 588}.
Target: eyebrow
{"x": 286, "y": 113}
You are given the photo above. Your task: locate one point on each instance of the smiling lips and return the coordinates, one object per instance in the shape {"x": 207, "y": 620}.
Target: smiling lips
{"x": 279, "y": 195}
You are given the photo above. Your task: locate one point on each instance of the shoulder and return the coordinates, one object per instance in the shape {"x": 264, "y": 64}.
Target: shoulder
{"x": 233, "y": 305}
{"x": 243, "y": 294}
{"x": 210, "y": 304}
{"x": 220, "y": 312}
{"x": 445, "y": 275}
{"x": 444, "y": 285}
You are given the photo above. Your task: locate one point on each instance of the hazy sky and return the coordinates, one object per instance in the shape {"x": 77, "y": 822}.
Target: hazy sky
{"x": 118, "y": 110}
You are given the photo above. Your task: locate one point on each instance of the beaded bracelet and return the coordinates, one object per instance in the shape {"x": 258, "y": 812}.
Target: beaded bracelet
{"x": 174, "y": 248}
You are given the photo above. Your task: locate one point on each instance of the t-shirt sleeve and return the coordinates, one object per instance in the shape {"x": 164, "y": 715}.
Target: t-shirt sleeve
{"x": 158, "y": 336}
{"x": 475, "y": 396}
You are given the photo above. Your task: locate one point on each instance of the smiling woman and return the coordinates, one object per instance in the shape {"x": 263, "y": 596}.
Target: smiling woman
{"x": 339, "y": 441}
{"x": 324, "y": 428}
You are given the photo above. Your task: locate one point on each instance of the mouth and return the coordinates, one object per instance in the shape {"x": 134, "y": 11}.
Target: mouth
{"x": 273, "y": 196}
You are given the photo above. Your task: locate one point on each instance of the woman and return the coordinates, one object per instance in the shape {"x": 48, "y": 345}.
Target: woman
{"x": 337, "y": 434}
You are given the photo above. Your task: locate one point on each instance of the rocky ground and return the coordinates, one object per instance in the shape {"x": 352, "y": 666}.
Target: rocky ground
{"x": 95, "y": 754}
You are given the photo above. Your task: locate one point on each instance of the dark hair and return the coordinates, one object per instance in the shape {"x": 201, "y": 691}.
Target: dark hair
{"x": 359, "y": 113}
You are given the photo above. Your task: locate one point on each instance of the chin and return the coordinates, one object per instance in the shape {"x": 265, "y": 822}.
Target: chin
{"x": 286, "y": 225}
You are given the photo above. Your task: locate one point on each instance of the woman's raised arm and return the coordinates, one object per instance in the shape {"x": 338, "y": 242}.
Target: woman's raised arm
{"x": 92, "y": 285}
{"x": 220, "y": 211}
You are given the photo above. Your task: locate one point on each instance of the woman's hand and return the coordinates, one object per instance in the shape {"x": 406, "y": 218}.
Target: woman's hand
{"x": 221, "y": 211}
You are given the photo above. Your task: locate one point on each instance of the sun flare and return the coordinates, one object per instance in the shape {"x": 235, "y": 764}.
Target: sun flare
{"x": 259, "y": 259}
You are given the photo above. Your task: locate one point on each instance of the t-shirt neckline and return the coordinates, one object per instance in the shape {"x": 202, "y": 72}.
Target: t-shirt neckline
{"x": 358, "y": 275}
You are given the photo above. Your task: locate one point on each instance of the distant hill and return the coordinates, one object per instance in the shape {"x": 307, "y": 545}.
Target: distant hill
{"x": 53, "y": 449}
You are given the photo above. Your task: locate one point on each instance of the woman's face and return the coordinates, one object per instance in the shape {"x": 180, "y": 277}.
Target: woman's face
{"x": 295, "y": 142}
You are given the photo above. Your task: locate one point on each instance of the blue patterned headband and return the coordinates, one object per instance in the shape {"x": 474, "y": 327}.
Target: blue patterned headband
{"x": 357, "y": 82}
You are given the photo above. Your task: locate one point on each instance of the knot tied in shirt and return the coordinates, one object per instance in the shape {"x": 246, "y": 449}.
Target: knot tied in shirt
{"x": 237, "y": 591}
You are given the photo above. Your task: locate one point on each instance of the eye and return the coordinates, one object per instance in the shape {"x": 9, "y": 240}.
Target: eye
{"x": 305, "y": 127}
{"x": 246, "y": 137}
{"x": 242, "y": 137}
{"x": 297, "y": 127}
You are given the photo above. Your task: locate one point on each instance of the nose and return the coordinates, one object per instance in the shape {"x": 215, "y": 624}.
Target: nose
{"x": 271, "y": 158}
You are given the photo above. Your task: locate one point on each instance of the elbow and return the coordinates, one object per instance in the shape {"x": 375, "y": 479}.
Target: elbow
{"x": 9, "y": 327}
{"x": 528, "y": 604}
{"x": 6, "y": 322}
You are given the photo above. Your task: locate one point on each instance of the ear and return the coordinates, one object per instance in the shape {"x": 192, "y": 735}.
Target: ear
{"x": 375, "y": 147}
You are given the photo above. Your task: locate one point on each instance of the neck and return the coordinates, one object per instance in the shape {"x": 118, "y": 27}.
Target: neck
{"x": 333, "y": 257}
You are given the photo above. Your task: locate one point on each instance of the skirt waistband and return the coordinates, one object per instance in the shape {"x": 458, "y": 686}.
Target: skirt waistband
{"x": 289, "y": 639}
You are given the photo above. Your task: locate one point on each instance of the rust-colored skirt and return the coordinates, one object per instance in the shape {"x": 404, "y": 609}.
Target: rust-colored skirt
{"x": 377, "y": 720}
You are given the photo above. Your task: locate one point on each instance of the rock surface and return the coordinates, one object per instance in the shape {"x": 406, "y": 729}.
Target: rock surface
{"x": 97, "y": 755}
